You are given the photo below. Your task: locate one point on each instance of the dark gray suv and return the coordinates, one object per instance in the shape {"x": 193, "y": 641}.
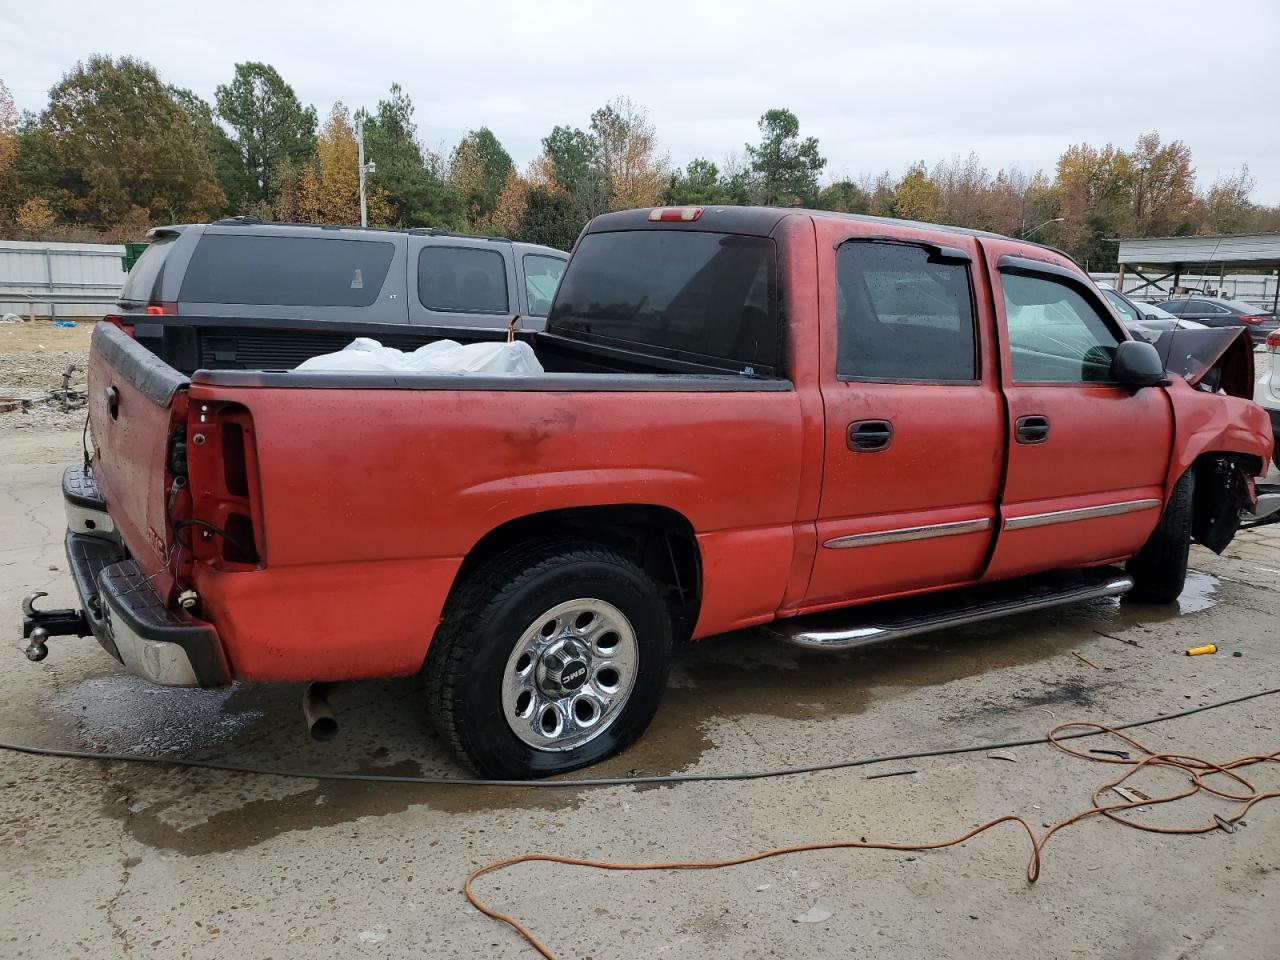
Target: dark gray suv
{"x": 244, "y": 294}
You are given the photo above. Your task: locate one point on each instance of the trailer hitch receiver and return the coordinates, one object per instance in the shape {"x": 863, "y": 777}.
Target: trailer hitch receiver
{"x": 39, "y": 625}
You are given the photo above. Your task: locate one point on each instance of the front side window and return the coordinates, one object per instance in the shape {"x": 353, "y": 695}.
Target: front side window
{"x": 903, "y": 314}
{"x": 462, "y": 280}
{"x": 1121, "y": 306}
{"x": 541, "y": 277}
{"x": 286, "y": 271}
{"x": 1055, "y": 335}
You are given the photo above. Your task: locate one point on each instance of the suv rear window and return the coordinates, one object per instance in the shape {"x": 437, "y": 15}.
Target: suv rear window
{"x": 143, "y": 283}
{"x": 708, "y": 295}
{"x": 462, "y": 280}
{"x": 286, "y": 271}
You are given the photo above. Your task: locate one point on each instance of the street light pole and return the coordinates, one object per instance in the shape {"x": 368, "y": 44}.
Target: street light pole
{"x": 360, "y": 160}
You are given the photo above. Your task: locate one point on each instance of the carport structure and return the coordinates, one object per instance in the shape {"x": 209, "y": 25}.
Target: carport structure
{"x": 1178, "y": 255}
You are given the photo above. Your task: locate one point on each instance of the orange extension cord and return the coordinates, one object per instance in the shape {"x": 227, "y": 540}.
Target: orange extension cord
{"x": 1196, "y": 769}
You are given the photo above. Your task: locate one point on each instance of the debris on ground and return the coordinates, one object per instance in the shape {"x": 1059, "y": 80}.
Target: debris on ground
{"x": 815, "y": 914}
{"x": 1202, "y": 651}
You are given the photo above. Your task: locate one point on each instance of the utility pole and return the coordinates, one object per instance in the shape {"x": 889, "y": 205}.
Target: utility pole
{"x": 365, "y": 170}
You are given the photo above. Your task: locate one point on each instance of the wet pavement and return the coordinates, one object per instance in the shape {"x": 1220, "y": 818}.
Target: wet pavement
{"x": 101, "y": 859}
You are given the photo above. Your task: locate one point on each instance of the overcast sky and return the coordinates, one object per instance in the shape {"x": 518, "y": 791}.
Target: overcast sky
{"x": 880, "y": 84}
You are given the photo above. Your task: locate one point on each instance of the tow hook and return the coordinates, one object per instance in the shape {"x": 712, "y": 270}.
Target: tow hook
{"x": 39, "y": 625}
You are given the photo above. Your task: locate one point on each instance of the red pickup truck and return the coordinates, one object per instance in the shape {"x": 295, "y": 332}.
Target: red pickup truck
{"x": 747, "y": 416}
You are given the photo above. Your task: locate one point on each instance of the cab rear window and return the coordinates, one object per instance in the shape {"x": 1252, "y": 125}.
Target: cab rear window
{"x": 286, "y": 271}
{"x": 684, "y": 294}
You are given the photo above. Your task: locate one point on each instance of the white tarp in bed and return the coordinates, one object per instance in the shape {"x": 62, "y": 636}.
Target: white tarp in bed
{"x": 364, "y": 355}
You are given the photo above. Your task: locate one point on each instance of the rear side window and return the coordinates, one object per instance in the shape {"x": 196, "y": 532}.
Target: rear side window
{"x": 1055, "y": 334}
{"x": 462, "y": 280}
{"x": 286, "y": 271}
{"x": 902, "y": 315}
{"x": 143, "y": 283}
{"x": 708, "y": 295}
{"x": 541, "y": 277}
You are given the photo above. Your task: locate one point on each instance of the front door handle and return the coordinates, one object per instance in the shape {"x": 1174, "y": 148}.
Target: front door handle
{"x": 870, "y": 436}
{"x": 1032, "y": 429}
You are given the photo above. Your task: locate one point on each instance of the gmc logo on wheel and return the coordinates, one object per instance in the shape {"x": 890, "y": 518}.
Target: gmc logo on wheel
{"x": 574, "y": 675}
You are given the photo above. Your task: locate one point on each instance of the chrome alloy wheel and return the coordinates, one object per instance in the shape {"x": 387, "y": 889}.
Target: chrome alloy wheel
{"x": 569, "y": 675}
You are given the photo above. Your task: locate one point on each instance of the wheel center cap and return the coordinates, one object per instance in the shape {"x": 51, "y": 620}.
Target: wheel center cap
{"x": 563, "y": 668}
{"x": 574, "y": 675}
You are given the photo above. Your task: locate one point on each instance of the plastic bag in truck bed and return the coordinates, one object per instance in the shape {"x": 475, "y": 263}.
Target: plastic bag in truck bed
{"x": 364, "y": 355}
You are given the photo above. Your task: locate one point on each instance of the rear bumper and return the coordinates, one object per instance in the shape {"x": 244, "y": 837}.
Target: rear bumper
{"x": 124, "y": 613}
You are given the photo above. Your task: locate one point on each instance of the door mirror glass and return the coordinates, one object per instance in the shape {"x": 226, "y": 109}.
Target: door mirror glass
{"x": 1137, "y": 364}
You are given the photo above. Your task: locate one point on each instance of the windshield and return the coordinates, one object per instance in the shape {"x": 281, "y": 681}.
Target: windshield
{"x": 706, "y": 295}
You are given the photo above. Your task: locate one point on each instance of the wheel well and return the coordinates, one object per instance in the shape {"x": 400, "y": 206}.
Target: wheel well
{"x": 1221, "y": 493}
{"x": 660, "y": 540}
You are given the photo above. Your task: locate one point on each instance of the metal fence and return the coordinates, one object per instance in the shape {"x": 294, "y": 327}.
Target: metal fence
{"x": 60, "y": 280}
{"x": 1254, "y": 288}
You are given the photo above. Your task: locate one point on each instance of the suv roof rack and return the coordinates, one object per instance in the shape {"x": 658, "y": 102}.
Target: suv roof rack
{"x": 442, "y": 232}
{"x": 243, "y": 218}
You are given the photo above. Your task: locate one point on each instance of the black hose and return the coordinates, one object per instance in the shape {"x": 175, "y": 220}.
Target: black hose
{"x": 610, "y": 781}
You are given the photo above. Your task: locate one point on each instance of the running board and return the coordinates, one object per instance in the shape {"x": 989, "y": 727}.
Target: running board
{"x": 894, "y": 619}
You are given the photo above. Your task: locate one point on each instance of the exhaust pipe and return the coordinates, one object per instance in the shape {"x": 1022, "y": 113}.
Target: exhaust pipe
{"x": 317, "y": 712}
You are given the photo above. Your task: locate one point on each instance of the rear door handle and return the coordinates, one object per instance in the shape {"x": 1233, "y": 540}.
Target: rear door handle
{"x": 870, "y": 436}
{"x": 1032, "y": 429}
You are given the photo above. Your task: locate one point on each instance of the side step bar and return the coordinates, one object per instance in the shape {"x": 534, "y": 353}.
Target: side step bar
{"x": 892, "y": 620}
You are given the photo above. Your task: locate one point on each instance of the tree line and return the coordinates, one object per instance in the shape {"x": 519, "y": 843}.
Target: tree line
{"x": 117, "y": 150}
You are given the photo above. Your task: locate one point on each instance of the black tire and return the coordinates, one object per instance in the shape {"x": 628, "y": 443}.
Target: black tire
{"x": 1159, "y": 569}
{"x": 494, "y": 608}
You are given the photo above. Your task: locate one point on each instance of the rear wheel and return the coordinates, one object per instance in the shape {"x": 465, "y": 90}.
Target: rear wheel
{"x": 550, "y": 657}
{"x": 1159, "y": 569}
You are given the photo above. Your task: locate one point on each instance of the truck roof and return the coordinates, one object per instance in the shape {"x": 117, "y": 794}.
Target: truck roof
{"x": 761, "y": 221}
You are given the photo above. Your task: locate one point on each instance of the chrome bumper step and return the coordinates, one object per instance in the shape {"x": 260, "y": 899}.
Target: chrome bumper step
{"x": 1268, "y": 501}
{"x": 894, "y": 619}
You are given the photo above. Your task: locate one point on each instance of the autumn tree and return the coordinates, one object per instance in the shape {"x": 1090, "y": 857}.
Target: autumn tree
{"x": 785, "y": 167}
{"x": 917, "y": 197}
{"x": 116, "y": 139}
{"x": 272, "y": 127}
{"x": 509, "y": 209}
{"x": 327, "y": 190}
{"x": 625, "y": 158}
{"x": 8, "y": 129}
{"x": 1225, "y": 207}
{"x": 8, "y": 152}
{"x": 1161, "y": 186}
{"x": 1093, "y": 190}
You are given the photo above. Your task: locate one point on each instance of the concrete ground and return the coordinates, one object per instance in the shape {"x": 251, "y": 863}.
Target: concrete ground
{"x": 105, "y": 859}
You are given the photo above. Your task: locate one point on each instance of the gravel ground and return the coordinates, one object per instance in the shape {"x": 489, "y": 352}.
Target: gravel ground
{"x": 33, "y": 357}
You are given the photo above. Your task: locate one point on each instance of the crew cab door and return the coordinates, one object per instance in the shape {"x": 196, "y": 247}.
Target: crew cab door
{"x": 914, "y": 437}
{"x": 1087, "y": 457}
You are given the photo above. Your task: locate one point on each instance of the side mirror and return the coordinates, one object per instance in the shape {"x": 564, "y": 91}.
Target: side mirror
{"x": 1137, "y": 364}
